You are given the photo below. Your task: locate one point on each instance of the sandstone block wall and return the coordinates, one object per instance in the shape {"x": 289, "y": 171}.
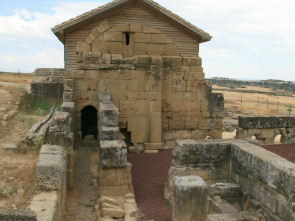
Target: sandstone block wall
{"x": 48, "y": 83}
{"x": 160, "y": 95}
{"x": 265, "y": 177}
{"x": 265, "y": 129}
{"x": 159, "y": 98}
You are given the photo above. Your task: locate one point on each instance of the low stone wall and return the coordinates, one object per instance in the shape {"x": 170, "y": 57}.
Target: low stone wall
{"x": 265, "y": 129}
{"x": 20, "y": 215}
{"x": 48, "y": 83}
{"x": 51, "y": 170}
{"x": 267, "y": 180}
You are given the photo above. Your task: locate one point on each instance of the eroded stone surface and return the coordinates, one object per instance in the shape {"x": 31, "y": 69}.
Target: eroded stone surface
{"x": 190, "y": 198}
{"x": 113, "y": 154}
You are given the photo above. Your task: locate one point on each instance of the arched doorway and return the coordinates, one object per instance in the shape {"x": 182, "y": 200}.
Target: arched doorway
{"x": 89, "y": 121}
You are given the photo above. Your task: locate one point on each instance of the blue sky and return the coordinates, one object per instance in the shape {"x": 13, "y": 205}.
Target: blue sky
{"x": 251, "y": 39}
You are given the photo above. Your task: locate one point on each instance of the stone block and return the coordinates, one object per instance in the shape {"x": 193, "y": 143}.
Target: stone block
{"x": 144, "y": 60}
{"x": 101, "y": 46}
{"x": 140, "y": 48}
{"x": 268, "y": 133}
{"x": 226, "y": 217}
{"x": 199, "y": 134}
{"x": 192, "y": 61}
{"x": 153, "y": 146}
{"x": 117, "y": 58}
{"x": 113, "y": 154}
{"x": 171, "y": 50}
{"x": 156, "y": 49}
{"x": 82, "y": 46}
{"x": 108, "y": 114}
{"x": 113, "y": 212}
{"x": 68, "y": 107}
{"x": 172, "y": 61}
{"x": 8, "y": 146}
{"x": 115, "y": 47}
{"x": 192, "y": 152}
{"x": 17, "y": 214}
{"x": 60, "y": 122}
{"x": 169, "y": 135}
{"x": 190, "y": 198}
{"x": 105, "y": 97}
{"x": 225, "y": 190}
{"x": 51, "y": 168}
{"x": 222, "y": 207}
{"x": 113, "y": 36}
{"x": 109, "y": 133}
{"x": 142, "y": 38}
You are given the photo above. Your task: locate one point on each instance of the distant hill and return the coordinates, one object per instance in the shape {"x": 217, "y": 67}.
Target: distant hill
{"x": 276, "y": 85}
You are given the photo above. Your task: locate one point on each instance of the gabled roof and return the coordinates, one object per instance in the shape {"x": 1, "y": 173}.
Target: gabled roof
{"x": 117, "y": 5}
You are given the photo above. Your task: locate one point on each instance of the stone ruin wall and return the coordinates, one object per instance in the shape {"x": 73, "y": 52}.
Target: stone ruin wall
{"x": 48, "y": 83}
{"x": 265, "y": 129}
{"x": 266, "y": 180}
{"x": 160, "y": 96}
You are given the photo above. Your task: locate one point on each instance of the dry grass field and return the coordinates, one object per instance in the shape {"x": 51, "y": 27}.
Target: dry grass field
{"x": 254, "y": 103}
{"x": 17, "y": 167}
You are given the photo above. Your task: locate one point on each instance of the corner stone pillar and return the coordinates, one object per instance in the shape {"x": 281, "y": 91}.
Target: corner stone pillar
{"x": 190, "y": 199}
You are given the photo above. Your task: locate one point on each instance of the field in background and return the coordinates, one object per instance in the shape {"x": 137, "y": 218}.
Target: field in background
{"x": 255, "y": 100}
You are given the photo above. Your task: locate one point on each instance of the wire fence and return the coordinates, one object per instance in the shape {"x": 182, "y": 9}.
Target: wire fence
{"x": 271, "y": 103}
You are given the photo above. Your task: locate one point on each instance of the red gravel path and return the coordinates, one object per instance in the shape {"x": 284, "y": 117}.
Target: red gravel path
{"x": 284, "y": 150}
{"x": 149, "y": 174}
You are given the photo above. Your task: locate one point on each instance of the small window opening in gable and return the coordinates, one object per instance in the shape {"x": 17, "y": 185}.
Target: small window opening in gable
{"x": 127, "y": 38}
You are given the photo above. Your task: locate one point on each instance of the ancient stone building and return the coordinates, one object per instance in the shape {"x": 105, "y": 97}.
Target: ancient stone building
{"x": 148, "y": 58}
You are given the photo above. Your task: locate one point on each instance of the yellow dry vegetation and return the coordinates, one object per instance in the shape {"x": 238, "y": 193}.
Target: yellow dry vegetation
{"x": 256, "y": 103}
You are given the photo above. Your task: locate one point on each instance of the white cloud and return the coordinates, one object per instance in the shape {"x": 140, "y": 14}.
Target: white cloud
{"x": 249, "y": 33}
{"x": 11, "y": 58}
{"x": 222, "y": 53}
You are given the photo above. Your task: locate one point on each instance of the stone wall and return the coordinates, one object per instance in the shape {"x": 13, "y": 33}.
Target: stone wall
{"x": 267, "y": 180}
{"x": 160, "y": 95}
{"x": 265, "y": 129}
{"x": 48, "y": 83}
{"x": 159, "y": 98}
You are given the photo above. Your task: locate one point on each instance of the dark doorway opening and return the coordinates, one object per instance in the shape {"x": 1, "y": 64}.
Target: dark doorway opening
{"x": 89, "y": 121}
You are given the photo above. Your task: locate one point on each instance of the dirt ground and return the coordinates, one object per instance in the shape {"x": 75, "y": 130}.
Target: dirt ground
{"x": 149, "y": 174}
{"x": 17, "y": 168}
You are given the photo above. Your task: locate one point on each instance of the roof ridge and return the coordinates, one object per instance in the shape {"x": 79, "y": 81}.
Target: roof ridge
{"x": 154, "y": 4}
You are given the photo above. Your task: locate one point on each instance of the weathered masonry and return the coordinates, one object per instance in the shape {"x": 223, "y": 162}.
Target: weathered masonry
{"x": 148, "y": 58}
{"x": 265, "y": 129}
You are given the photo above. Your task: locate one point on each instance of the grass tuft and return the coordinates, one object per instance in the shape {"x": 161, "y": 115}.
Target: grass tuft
{"x": 40, "y": 107}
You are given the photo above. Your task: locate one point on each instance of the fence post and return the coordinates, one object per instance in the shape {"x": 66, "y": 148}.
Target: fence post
{"x": 258, "y": 102}
{"x": 278, "y": 106}
{"x": 267, "y": 103}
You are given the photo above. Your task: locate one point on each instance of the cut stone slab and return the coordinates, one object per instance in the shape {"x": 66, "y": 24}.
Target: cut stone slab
{"x": 250, "y": 215}
{"x": 108, "y": 115}
{"x": 109, "y": 133}
{"x": 225, "y": 190}
{"x": 226, "y": 217}
{"x": 45, "y": 205}
{"x": 9, "y": 146}
{"x": 113, "y": 154}
{"x": 190, "y": 198}
{"x": 19, "y": 214}
{"x": 108, "y": 200}
{"x": 114, "y": 213}
{"x": 105, "y": 96}
{"x": 223, "y": 207}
